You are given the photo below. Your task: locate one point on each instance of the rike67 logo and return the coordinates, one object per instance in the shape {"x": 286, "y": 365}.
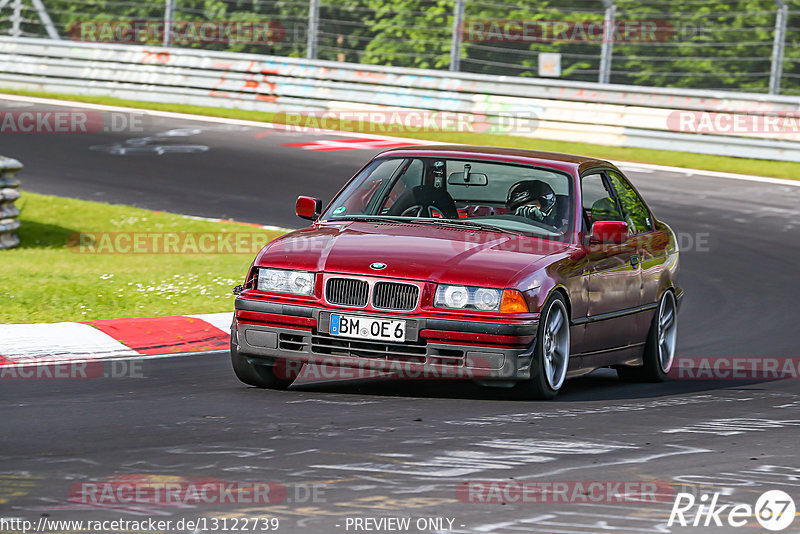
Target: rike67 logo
{"x": 774, "y": 510}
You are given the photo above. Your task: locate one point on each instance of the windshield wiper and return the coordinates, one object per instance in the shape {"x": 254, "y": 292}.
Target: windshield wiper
{"x": 473, "y": 225}
{"x": 467, "y": 224}
{"x": 367, "y": 218}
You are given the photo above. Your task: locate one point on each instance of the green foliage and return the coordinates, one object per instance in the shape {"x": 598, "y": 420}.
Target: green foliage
{"x": 413, "y": 33}
{"x": 715, "y": 45}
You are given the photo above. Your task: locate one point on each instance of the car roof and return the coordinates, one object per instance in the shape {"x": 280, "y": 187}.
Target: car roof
{"x": 564, "y": 162}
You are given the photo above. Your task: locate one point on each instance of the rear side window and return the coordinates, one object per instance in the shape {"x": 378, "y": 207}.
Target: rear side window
{"x": 633, "y": 207}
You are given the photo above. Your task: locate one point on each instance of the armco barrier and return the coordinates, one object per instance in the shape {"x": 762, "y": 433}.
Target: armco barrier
{"x": 8, "y": 194}
{"x": 570, "y": 111}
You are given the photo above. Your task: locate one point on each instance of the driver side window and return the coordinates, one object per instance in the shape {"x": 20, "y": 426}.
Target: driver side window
{"x": 636, "y": 214}
{"x": 598, "y": 201}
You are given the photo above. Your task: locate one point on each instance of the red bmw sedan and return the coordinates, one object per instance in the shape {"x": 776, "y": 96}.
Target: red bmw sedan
{"x": 512, "y": 268}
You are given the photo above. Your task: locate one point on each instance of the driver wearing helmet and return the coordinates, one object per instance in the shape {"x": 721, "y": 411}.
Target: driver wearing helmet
{"x": 532, "y": 199}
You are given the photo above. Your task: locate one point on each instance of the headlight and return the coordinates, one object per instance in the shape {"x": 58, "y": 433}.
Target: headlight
{"x": 280, "y": 281}
{"x": 453, "y": 296}
{"x": 487, "y": 299}
{"x": 480, "y": 298}
{"x": 461, "y": 297}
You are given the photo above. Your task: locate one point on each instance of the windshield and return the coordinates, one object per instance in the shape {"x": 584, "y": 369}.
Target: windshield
{"x": 489, "y": 195}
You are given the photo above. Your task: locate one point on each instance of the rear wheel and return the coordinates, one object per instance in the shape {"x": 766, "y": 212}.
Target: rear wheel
{"x": 550, "y": 353}
{"x": 261, "y": 376}
{"x": 659, "y": 351}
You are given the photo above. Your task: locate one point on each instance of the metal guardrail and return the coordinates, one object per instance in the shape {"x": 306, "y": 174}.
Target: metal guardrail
{"x": 612, "y": 115}
{"x": 8, "y": 194}
{"x": 710, "y": 44}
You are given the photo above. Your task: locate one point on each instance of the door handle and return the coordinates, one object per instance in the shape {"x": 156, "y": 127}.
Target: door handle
{"x": 634, "y": 261}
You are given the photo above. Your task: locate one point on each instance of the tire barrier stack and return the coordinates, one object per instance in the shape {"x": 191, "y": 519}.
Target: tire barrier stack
{"x": 9, "y": 193}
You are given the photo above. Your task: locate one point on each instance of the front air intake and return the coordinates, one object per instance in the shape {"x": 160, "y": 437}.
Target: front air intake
{"x": 347, "y": 292}
{"x": 395, "y": 296}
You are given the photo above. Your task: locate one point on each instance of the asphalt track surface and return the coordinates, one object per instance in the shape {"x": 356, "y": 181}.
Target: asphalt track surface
{"x": 381, "y": 448}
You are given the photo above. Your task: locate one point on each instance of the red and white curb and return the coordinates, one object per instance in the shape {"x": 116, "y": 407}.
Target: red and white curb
{"x": 113, "y": 338}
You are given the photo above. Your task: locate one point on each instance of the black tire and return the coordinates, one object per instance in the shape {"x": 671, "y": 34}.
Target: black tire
{"x": 656, "y": 364}
{"x": 260, "y": 376}
{"x": 539, "y": 387}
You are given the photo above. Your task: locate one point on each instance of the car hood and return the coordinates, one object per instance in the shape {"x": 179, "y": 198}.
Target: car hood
{"x": 411, "y": 251}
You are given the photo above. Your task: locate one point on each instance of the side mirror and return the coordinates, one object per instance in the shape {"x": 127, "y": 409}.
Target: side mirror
{"x": 308, "y": 208}
{"x": 609, "y": 232}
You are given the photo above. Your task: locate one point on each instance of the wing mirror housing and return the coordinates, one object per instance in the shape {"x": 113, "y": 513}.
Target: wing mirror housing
{"x": 308, "y": 208}
{"x": 609, "y": 232}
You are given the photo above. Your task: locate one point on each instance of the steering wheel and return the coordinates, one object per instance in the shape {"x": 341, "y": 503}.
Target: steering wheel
{"x": 422, "y": 201}
{"x": 418, "y": 210}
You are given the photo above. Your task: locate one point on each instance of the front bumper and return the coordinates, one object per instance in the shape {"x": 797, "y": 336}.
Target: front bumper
{"x": 435, "y": 348}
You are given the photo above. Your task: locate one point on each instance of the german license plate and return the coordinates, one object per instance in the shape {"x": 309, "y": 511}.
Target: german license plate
{"x": 368, "y": 328}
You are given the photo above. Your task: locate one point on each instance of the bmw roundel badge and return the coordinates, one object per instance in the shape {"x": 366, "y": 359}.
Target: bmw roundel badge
{"x": 377, "y": 266}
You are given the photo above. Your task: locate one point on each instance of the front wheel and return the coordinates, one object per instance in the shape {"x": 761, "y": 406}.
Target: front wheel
{"x": 550, "y": 353}
{"x": 260, "y": 376}
{"x": 659, "y": 350}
